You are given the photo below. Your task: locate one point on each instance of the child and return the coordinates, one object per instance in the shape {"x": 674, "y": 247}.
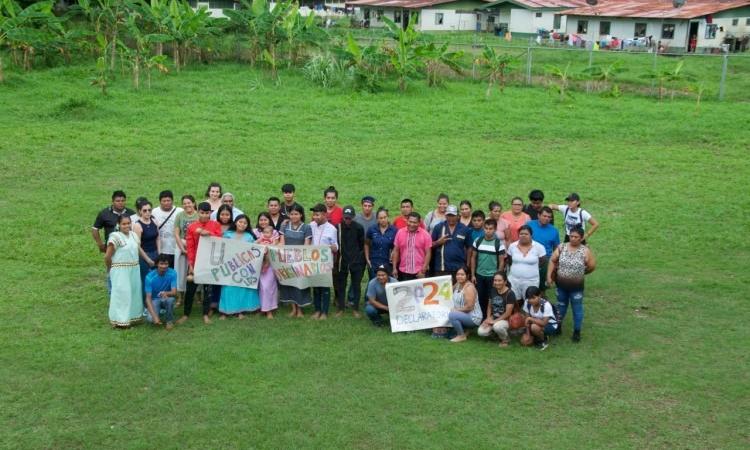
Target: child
{"x": 541, "y": 320}
{"x": 268, "y": 289}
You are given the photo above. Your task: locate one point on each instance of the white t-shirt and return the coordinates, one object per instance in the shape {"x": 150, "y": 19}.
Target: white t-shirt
{"x": 526, "y": 267}
{"x": 544, "y": 311}
{"x": 572, "y": 219}
{"x": 166, "y": 230}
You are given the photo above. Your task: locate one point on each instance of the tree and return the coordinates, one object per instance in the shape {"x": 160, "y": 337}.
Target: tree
{"x": 404, "y": 55}
{"x": 497, "y": 65}
{"x": 437, "y": 57}
{"x": 563, "y": 76}
{"x": 602, "y": 75}
{"x": 365, "y": 64}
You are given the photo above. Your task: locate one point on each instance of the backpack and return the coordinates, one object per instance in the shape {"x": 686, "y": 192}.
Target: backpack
{"x": 580, "y": 218}
{"x": 481, "y": 238}
{"x": 555, "y": 310}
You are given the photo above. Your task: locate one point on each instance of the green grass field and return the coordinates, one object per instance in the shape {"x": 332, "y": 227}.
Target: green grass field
{"x": 664, "y": 356}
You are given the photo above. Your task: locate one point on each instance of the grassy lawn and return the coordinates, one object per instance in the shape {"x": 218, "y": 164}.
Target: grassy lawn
{"x": 664, "y": 351}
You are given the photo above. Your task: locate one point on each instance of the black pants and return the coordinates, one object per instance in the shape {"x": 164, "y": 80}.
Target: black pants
{"x": 403, "y": 276}
{"x": 484, "y": 287}
{"x": 190, "y": 289}
{"x": 356, "y": 273}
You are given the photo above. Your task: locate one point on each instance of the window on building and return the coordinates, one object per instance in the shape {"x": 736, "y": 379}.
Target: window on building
{"x": 667, "y": 31}
{"x": 557, "y": 21}
{"x": 490, "y": 19}
{"x": 397, "y": 16}
{"x": 747, "y": 21}
{"x": 583, "y": 27}
{"x": 640, "y": 30}
{"x": 735, "y": 22}
{"x": 379, "y": 14}
{"x": 221, "y": 4}
{"x": 439, "y": 18}
{"x": 604, "y": 28}
{"x": 538, "y": 14}
{"x": 711, "y": 31}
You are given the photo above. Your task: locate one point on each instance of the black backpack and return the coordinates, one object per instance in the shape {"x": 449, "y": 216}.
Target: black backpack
{"x": 555, "y": 310}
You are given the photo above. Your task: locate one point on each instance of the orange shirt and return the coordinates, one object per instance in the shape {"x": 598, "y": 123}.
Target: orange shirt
{"x": 514, "y": 223}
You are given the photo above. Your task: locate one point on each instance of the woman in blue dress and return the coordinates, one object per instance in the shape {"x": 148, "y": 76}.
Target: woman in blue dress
{"x": 235, "y": 299}
{"x": 296, "y": 232}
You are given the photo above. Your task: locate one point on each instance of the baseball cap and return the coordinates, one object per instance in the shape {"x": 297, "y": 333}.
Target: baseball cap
{"x": 451, "y": 210}
{"x": 348, "y": 211}
{"x": 319, "y": 208}
{"x": 573, "y": 196}
{"x": 383, "y": 268}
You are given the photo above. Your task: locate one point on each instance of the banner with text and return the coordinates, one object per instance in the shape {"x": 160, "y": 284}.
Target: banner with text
{"x": 302, "y": 266}
{"x": 229, "y": 262}
{"x": 419, "y": 304}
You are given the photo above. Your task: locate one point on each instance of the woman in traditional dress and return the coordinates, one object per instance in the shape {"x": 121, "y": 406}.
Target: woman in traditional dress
{"x": 269, "y": 287}
{"x": 235, "y": 299}
{"x": 296, "y": 232}
{"x": 121, "y": 260}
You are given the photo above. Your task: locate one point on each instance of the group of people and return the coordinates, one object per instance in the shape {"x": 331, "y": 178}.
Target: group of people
{"x": 501, "y": 262}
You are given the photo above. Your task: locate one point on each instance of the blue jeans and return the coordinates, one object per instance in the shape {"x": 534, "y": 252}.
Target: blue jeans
{"x": 167, "y": 304}
{"x": 575, "y": 298}
{"x": 459, "y": 320}
{"x": 374, "y": 314}
{"x": 321, "y": 299}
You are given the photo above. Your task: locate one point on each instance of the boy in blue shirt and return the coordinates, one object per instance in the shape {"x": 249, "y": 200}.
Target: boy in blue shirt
{"x": 546, "y": 234}
{"x": 161, "y": 289}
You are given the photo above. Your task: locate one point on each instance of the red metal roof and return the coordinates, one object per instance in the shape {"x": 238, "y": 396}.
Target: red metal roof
{"x": 656, "y": 9}
{"x": 407, "y": 4}
{"x": 539, "y": 4}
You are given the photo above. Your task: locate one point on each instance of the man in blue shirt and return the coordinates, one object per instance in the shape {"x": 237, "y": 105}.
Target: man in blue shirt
{"x": 161, "y": 289}
{"x": 546, "y": 234}
{"x": 377, "y": 301}
{"x": 450, "y": 243}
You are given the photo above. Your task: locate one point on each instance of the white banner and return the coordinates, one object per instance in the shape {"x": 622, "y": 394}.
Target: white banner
{"x": 419, "y": 304}
{"x": 302, "y": 266}
{"x": 229, "y": 262}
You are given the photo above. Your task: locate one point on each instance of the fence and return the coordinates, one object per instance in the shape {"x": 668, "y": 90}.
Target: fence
{"x": 720, "y": 76}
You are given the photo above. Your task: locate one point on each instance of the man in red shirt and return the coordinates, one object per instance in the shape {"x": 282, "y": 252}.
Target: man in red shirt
{"x": 407, "y": 206}
{"x": 203, "y": 227}
{"x": 412, "y": 250}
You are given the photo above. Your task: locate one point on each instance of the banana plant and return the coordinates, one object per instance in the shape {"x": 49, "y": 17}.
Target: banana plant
{"x": 404, "y": 55}
{"x": 144, "y": 43}
{"x": 498, "y": 65}
{"x": 436, "y": 58}
{"x": 30, "y": 29}
{"x": 365, "y": 64}
{"x": 563, "y": 77}
{"x": 602, "y": 75}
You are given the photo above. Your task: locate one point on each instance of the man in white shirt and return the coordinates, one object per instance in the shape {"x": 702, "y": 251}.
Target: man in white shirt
{"x": 164, "y": 216}
{"x": 323, "y": 233}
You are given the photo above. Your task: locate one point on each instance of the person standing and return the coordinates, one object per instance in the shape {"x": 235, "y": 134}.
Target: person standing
{"x": 268, "y": 288}
{"x": 534, "y": 207}
{"x": 148, "y": 235}
{"x": 379, "y": 242}
{"x": 502, "y": 231}
{"x": 203, "y": 227}
{"x": 121, "y": 261}
{"x": 515, "y": 218}
{"x": 411, "y": 251}
{"x": 451, "y": 241}
{"x": 184, "y": 218}
{"x": 273, "y": 205}
{"x": 235, "y": 299}
{"x": 165, "y": 216}
{"x": 323, "y": 233}
{"x": 525, "y": 257}
{"x": 227, "y": 199}
{"x": 377, "y": 300}
{"x": 287, "y": 191}
{"x": 487, "y": 258}
{"x": 296, "y": 232}
{"x": 213, "y": 195}
{"x": 367, "y": 217}
{"x": 350, "y": 262}
{"x": 464, "y": 210}
{"x": 437, "y": 215}
{"x": 546, "y": 234}
{"x": 575, "y": 216}
{"x": 407, "y": 207}
{"x": 334, "y": 213}
{"x": 161, "y": 289}
{"x": 569, "y": 264}
{"x": 107, "y": 219}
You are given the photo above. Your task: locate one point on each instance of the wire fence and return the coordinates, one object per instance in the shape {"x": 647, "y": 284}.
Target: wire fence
{"x": 719, "y": 76}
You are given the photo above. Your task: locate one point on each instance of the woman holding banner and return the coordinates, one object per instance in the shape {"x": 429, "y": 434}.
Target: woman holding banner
{"x": 268, "y": 287}
{"x": 296, "y": 232}
{"x": 235, "y": 299}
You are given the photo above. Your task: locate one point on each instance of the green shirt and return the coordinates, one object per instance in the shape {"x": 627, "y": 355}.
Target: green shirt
{"x": 487, "y": 253}
{"x": 183, "y": 220}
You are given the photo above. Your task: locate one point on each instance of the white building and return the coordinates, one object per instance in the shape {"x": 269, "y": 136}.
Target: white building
{"x": 700, "y": 25}
{"x": 527, "y": 17}
{"x": 430, "y": 15}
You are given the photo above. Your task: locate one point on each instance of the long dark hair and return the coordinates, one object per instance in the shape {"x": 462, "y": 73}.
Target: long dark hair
{"x": 233, "y": 225}
{"x": 225, "y": 208}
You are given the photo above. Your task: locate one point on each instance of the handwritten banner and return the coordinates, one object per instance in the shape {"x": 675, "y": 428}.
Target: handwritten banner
{"x": 302, "y": 266}
{"x": 229, "y": 262}
{"x": 419, "y": 304}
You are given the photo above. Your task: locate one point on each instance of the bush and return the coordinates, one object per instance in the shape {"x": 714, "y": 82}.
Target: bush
{"x": 324, "y": 70}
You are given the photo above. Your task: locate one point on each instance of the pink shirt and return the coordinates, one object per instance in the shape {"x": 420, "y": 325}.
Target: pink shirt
{"x": 514, "y": 224}
{"x": 412, "y": 249}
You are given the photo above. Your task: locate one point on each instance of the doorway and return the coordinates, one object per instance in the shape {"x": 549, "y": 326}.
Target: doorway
{"x": 692, "y": 42}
